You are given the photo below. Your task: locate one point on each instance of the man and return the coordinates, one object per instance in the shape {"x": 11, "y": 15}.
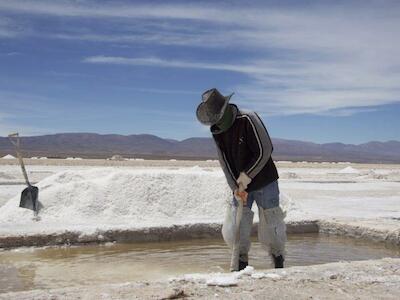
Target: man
{"x": 244, "y": 151}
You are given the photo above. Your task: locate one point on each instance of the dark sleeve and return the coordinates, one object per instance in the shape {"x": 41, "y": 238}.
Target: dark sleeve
{"x": 230, "y": 178}
{"x": 259, "y": 142}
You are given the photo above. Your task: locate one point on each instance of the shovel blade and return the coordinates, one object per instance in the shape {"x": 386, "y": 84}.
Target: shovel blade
{"x": 29, "y": 198}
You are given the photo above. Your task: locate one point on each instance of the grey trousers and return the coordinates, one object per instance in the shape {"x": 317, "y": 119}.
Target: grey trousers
{"x": 271, "y": 227}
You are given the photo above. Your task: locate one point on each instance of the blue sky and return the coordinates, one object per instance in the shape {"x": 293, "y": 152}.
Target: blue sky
{"x": 322, "y": 71}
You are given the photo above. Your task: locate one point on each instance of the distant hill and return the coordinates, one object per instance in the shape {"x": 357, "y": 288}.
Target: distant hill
{"x": 91, "y": 145}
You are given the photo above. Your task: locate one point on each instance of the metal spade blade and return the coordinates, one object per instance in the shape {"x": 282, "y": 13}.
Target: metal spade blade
{"x": 29, "y": 198}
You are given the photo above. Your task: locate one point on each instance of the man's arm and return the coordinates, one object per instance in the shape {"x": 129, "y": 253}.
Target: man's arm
{"x": 259, "y": 143}
{"x": 226, "y": 168}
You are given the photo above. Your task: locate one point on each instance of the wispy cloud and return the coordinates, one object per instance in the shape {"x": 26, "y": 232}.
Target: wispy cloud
{"x": 8, "y": 28}
{"x": 305, "y": 87}
{"x": 162, "y": 91}
{"x": 10, "y": 54}
{"x": 118, "y": 10}
{"x": 159, "y": 62}
{"x": 21, "y": 109}
{"x": 8, "y": 125}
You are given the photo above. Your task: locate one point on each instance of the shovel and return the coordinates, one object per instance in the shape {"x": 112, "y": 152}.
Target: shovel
{"x": 236, "y": 246}
{"x": 29, "y": 196}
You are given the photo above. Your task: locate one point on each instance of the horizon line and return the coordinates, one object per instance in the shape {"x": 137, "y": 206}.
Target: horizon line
{"x": 198, "y": 137}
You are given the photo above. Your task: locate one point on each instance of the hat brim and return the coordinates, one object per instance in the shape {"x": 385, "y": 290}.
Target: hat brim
{"x": 208, "y": 119}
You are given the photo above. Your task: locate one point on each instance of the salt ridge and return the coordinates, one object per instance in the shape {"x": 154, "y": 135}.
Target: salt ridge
{"x": 135, "y": 198}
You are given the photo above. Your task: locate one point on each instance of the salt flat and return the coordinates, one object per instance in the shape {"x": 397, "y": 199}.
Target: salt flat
{"x": 95, "y": 196}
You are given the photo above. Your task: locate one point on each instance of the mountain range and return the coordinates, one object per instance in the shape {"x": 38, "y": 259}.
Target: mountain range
{"x": 91, "y": 145}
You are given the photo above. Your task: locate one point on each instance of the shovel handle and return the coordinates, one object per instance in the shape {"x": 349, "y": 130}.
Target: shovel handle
{"x": 236, "y": 246}
{"x": 14, "y": 139}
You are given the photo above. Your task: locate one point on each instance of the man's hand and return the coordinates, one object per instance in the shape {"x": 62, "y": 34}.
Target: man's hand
{"x": 243, "y": 181}
{"x": 241, "y": 196}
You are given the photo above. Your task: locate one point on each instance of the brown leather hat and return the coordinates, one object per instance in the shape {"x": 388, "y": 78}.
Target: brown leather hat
{"x": 212, "y": 107}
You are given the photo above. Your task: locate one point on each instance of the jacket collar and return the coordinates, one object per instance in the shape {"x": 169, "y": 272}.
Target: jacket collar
{"x": 216, "y": 130}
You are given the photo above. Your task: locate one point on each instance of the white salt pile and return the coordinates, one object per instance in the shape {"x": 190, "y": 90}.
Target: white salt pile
{"x": 8, "y": 156}
{"x": 371, "y": 174}
{"x": 221, "y": 279}
{"x": 130, "y": 198}
{"x": 288, "y": 175}
{"x": 117, "y": 157}
{"x": 349, "y": 170}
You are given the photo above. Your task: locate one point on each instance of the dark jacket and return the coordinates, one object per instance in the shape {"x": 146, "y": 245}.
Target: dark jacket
{"x": 246, "y": 147}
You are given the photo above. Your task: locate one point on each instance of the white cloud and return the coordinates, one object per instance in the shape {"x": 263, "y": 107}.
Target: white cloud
{"x": 10, "y": 54}
{"x": 305, "y": 87}
{"x": 161, "y": 91}
{"x": 159, "y": 62}
{"x": 94, "y": 10}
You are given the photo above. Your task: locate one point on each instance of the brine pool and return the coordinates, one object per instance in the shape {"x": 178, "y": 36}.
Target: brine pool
{"x": 57, "y": 267}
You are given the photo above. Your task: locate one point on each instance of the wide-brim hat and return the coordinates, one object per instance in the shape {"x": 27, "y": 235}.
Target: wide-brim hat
{"x": 212, "y": 107}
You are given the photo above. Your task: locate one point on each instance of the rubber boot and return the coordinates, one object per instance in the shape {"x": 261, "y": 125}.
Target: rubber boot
{"x": 278, "y": 261}
{"x": 245, "y": 232}
{"x": 242, "y": 265}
